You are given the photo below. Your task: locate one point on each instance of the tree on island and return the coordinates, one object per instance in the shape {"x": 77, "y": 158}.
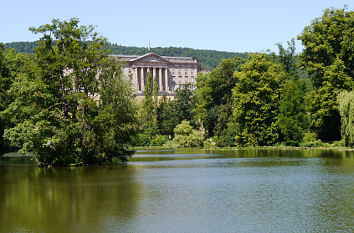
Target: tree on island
{"x": 71, "y": 104}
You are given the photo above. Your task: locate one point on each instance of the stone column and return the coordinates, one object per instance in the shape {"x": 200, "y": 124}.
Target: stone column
{"x": 135, "y": 79}
{"x": 166, "y": 79}
{"x": 160, "y": 80}
{"x": 142, "y": 79}
{"x": 153, "y": 77}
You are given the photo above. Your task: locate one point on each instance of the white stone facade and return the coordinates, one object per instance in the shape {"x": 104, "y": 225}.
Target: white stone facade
{"x": 171, "y": 72}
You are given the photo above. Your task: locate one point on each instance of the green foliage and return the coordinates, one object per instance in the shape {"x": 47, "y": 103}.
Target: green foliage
{"x": 209, "y": 144}
{"x": 10, "y": 66}
{"x": 159, "y": 140}
{"x": 340, "y": 143}
{"x": 186, "y": 136}
{"x": 227, "y": 136}
{"x": 71, "y": 104}
{"x": 256, "y": 100}
{"x": 207, "y": 58}
{"x": 310, "y": 140}
{"x": 214, "y": 90}
{"x": 346, "y": 109}
{"x": 140, "y": 139}
{"x": 150, "y": 107}
{"x": 146, "y": 140}
{"x": 329, "y": 59}
{"x": 326, "y": 40}
{"x": 293, "y": 121}
{"x": 287, "y": 57}
{"x": 173, "y": 112}
{"x": 325, "y": 118}
{"x": 22, "y": 47}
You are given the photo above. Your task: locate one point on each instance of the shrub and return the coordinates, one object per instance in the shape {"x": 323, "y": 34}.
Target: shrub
{"x": 310, "y": 140}
{"x": 158, "y": 140}
{"x": 339, "y": 143}
{"x": 186, "y": 136}
{"x": 140, "y": 140}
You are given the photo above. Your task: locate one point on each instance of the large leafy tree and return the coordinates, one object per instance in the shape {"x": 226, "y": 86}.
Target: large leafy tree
{"x": 4, "y": 100}
{"x": 71, "y": 104}
{"x": 256, "y": 100}
{"x": 214, "y": 89}
{"x": 329, "y": 59}
{"x": 11, "y": 64}
{"x": 293, "y": 120}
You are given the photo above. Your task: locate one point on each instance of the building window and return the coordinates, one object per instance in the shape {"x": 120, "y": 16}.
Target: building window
{"x": 179, "y": 72}
{"x": 173, "y": 72}
{"x": 192, "y": 72}
{"x": 173, "y": 79}
{"x": 192, "y": 79}
{"x": 185, "y": 72}
{"x": 129, "y": 71}
{"x": 192, "y": 88}
{"x": 186, "y": 79}
{"x": 180, "y": 79}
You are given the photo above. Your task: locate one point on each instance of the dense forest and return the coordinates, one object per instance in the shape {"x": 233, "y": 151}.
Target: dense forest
{"x": 206, "y": 58}
{"x": 265, "y": 99}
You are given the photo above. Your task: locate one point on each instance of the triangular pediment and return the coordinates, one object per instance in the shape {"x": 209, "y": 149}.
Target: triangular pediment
{"x": 151, "y": 57}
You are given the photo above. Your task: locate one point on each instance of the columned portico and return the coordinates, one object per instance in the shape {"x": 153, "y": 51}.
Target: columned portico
{"x": 158, "y": 74}
{"x": 166, "y": 71}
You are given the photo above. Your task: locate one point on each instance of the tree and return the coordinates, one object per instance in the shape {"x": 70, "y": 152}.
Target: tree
{"x": 328, "y": 58}
{"x": 213, "y": 90}
{"x": 4, "y": 100}
{"x": 256, "y": 100}
{"x": 293, "y": 120}
{"x": 186, "y": 136}
{"x": 150, "y": 107}
{"x": 346, "y": 110}
{"x": 71, "y": 104}
{"x": 287, "y": 57}
{"x": 177, "y": 110}
{"x": 325, "y": 118}
{"x": 11, "y": 64}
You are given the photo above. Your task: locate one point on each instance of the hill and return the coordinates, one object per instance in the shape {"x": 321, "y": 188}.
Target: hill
{"x": 207, "y": 58}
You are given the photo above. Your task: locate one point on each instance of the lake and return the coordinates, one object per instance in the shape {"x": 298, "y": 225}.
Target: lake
{"x": 183, "y": 190}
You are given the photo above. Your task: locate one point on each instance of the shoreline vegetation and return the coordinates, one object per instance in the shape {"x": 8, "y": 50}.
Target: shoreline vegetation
{"x": 162, "y": 148}
{"x": 280, "y": 147}
{"x": 70, "y": 105}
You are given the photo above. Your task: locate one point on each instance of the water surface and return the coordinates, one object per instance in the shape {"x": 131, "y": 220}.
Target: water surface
{"x": 184, "y": 191}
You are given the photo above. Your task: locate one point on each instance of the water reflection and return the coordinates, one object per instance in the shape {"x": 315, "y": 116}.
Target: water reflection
{"x": 184, "y": 191}
{"x": 66, "y": 199}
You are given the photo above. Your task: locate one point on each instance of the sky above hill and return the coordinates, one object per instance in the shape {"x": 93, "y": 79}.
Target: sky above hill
{"x": 235, "y": 26}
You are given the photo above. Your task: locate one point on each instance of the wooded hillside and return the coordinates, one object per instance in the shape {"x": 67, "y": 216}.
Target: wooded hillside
{"x": 207, "y": 58}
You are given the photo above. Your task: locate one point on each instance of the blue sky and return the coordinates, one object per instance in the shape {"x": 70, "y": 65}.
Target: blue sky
{"x": 238, "y": 26}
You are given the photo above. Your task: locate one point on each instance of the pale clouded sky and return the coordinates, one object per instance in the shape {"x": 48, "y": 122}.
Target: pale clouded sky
{"x": 239, "y": 26}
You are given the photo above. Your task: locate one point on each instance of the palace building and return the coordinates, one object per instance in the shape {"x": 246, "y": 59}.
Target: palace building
{"x": 171, "y": 73}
